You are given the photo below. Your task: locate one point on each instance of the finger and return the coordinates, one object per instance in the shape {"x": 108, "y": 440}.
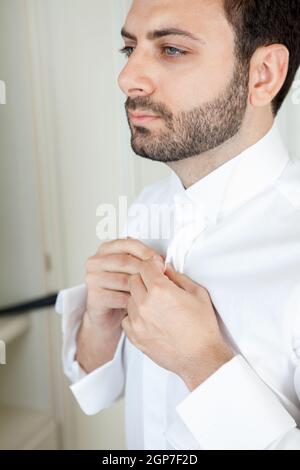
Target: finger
{"x": 151, "y": 271}
{"x": 137, "y": 288}
{"x": 126, "y": 326}
{"x": 172, "y": 275}
{"x": 130, "y": 246}
{"x": 99, "y": 298}
{"x": 182, "y": 281}
{"x": 132, "y": 309}
{"x": 108, "y": 280}
{"x": 121, "y": 263}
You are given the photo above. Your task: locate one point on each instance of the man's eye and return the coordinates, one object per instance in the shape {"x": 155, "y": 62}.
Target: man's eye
{"x": 178, "y": 52}
{"x": 175, "y": 52}
{"x": 126, "y": 51}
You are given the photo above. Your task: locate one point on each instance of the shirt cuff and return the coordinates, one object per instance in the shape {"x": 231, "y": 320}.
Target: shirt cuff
{"x": 232, "y": 410}
{"x": 71, "y": 304}
{"x": 102, "y": 387}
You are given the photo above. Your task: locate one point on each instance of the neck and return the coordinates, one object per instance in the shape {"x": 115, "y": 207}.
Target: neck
{"x": 195, "y": 168}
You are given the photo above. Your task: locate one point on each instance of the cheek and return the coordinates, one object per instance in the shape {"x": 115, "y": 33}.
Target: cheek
{"x": 183, "y": 92}
{"x": 218, "y": 64}
{"x": 218, "y": 71}
{"x": 197, "y": 83}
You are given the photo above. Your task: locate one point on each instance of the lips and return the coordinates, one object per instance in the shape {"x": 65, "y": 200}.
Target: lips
{"x": 142, "y": 115}
{"x": 142, "y": 118}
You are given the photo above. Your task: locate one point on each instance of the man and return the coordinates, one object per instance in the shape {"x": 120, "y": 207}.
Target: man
{"x": 203, "y": 340}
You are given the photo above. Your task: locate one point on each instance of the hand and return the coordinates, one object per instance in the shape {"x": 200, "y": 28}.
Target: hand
{"x": 107, "y": 279}
{"x": 171, "y": 319}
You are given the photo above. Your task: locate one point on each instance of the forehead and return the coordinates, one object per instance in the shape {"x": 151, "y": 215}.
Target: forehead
{"x": 196, "y": 15}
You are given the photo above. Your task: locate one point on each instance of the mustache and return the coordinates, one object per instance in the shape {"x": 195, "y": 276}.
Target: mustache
{"x": 143, "y": 104}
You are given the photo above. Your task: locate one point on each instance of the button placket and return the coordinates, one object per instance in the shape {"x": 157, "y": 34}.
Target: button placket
{"x": 189, "y": 222}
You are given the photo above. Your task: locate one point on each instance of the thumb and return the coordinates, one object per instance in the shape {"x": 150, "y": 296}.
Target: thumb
{"x": 181, "y": 280}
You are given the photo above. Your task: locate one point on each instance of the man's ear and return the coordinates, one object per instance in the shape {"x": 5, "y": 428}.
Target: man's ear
{"x": 268, "y": 71}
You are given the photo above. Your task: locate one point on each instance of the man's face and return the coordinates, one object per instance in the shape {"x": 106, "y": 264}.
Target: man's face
{"x": 195, "y": 87}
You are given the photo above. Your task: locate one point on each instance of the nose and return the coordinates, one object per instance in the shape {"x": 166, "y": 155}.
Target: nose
{"x": 135, "y": 78}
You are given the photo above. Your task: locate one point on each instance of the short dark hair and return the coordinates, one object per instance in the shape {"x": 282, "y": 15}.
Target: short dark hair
{"x": 258, "y": 23}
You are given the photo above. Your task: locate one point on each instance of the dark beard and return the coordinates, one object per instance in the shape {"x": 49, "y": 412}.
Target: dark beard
{"x": 194, "y": 132}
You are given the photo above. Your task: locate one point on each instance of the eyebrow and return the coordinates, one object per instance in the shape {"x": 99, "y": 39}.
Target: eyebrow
{"x": 159, "y": 33}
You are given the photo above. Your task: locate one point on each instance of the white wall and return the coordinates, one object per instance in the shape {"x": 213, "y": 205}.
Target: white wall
{"x": 26, "y": 382}
{"x": 21, "y": 241}
{"x": 81, "y": 68}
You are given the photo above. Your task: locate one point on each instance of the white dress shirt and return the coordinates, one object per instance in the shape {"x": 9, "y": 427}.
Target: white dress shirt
{"x": 245, "y": 251}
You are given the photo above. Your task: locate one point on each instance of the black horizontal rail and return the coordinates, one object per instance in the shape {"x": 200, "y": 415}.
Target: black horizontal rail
{"x": 24, "y": 307}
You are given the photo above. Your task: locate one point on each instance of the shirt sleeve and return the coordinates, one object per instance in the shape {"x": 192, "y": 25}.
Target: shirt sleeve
{"x": 235, "y": 410}
{"x": 101, "y": 388}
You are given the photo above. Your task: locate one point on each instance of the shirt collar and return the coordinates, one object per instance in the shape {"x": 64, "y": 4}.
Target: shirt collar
{"x": 240, "y": 179}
